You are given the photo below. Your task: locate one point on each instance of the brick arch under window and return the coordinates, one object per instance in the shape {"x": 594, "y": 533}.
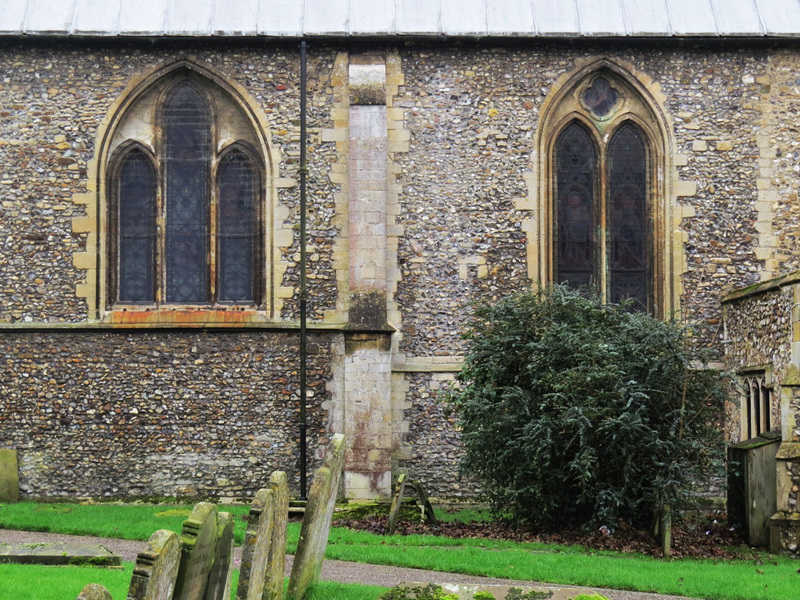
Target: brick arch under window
{"x": 185, "y": 219}
{"x": 603, "y": 202}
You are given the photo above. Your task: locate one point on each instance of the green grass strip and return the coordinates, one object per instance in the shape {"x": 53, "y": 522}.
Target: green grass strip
{"x": 775, "y": 579}
{"x": 121, "y": 521}
{"x": 36, "y": 582}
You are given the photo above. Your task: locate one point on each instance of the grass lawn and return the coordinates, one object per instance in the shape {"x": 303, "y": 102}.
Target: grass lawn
{"x": 33, "y": 582}
{"x": 764, "y": 578}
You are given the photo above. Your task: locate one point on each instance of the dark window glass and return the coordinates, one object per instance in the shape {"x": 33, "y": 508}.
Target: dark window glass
{"x": 575, "y": 209}
{"x": 601, "y": 97}
{"x": 628, "y": 227}
{"x": 187, "y": 135}
{"x": 237, "y": 228}
{"x": 137, "y": 228}
{"x": 757, "y": 405}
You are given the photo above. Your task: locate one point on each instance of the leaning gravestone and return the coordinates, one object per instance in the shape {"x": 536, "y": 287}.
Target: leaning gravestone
{"x": 9, "y": 475}
{"x": 276, "y": 563}
{"x": 156, "y": 567}
{"x": 219, "y": 580}
{"x": 198, "y": 546}
{"x": 317, "y": 522}
{"x": 255, "y": 551}
{"x": 94, "y": 591}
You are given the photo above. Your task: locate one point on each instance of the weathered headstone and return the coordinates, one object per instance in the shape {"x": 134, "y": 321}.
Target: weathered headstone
{"x": 219, "y": 580}
{"x": 198, "y": 546}
{"x": 397, "y": 504}
{"x": 9, "y": 475}
{"x": 317, "y": 521}
{"x": 255, "y": 551}
{"x": 94, "y": 591}
{"x": 276, "y": 563}
{"x": 156, "y": 567}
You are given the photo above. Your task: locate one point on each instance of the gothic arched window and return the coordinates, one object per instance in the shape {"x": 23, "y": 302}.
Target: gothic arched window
{"x": 185, "y": 217}
{"x": 602, "y": 196}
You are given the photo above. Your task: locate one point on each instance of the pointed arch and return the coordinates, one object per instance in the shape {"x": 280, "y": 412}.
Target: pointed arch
{"x": 618, "y": 109}
{"x": 156, "y": 113}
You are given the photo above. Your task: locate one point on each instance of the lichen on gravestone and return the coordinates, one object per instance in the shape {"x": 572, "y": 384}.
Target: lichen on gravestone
{"x": 276, "y": 562}
{"x": 219, "y": 580}
{"x": 156, "y": 567}
{"x": 198, "y": 546}
{"x": 9, "y": 475}
{"x": 317, "y": 522}
{"x": 94, "y": 591}
{"x": 255, "y": 550}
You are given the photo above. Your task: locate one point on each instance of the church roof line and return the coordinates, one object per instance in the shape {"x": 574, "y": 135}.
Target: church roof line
{"x": 401, "y": 18}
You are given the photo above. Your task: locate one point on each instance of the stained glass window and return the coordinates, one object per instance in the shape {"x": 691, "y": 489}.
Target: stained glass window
{"x": 187, "y": 134}
{"x": 575, "y": 221}
{"x": 628, "y": 227}
{"x": 184, "y": 226}
{"x": 602, "y": 230}
{"x": 600, "y": 97}
{"x": 137, "y": 228}
{"x": 237, "y": 228}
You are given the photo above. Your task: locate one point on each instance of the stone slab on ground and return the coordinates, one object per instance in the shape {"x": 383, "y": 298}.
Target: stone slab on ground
{"x": 9, "y": 475}
{"x": 58, "y": 553}
{"x": 500, "y": 592}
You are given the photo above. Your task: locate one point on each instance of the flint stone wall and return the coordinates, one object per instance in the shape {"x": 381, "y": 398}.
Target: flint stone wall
{"x": 137, "y": 414}
{"x": 53, "y": 97}
{"x": 470, "y": 113}
{"x": 759, "y": 328}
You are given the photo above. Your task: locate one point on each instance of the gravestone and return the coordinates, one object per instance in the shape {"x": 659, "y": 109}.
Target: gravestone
{"x": 9, "y": 475}
{"x": 397, "y": 504}
{"x": 255, "y": 550}
{"x": 317, "y": 521}
{"x": 198, "y": 546}
{"x": 219, "y": 580}
{"x": 276, "y": 562}
{"x": 156, "y": 567}
{"x": 94, "y": 591}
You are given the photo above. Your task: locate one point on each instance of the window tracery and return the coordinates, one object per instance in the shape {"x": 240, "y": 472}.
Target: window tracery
{"x": 186, "y": 201}
{"x": 603, "y": 151}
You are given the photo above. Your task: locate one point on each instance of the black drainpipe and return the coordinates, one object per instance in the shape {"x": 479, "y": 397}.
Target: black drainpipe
{"x": 303, "y": 289}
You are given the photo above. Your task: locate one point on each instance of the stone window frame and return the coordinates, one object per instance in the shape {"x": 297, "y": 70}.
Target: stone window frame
{"x": 642, "y": 102}
{"x": 275, "y": 233}
{"x": 755, "y": 410}
{"x": 156, "y": 155}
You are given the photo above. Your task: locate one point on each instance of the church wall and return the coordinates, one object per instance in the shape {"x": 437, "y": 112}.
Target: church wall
{"x": 109, "y": 414}
{"x": 462, "y": 182}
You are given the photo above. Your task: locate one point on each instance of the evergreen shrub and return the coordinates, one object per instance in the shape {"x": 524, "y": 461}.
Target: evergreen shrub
{"x": 575, "y": 412}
